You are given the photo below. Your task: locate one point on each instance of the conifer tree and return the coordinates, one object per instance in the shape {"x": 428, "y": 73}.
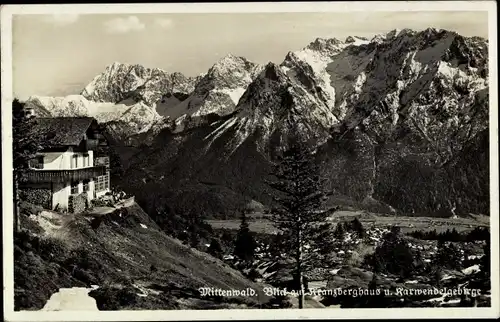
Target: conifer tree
{"x": 299, "y": 213}
{"x": 339, "y": 232}
{"x": 357, "y": 228}
{"x": 24, "y": 149}
{"x": 448, "y": 255}
{"x": 326, "y": 234}
{"x": 393, "y": 255}
{"x": 215, "y": 249}
{"x": 245, "y": 244}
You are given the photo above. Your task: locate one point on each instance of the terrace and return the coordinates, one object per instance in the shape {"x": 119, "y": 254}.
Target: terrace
{"x": 44, "y": 176}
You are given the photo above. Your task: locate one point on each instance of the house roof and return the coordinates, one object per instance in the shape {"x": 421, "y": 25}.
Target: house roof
{"x": 61, "y": 131}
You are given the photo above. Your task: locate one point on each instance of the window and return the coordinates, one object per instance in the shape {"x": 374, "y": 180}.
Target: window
{"x": 40, "y": 160}
{"x": 75, "y": 161}
{"x": 98, "y": 184}
{"x": 86, "y": 186}
{"x": 74, "y": 188}
{"x": 106, "y": 181}
{"x": 101, "y": 183}
{"x": 37, "y": 163}
{"x": 86, "y": 162}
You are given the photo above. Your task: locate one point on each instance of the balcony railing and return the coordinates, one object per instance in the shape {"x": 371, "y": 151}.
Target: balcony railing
{"x": 104, "y": 161}
{"x": 41, "y": 176}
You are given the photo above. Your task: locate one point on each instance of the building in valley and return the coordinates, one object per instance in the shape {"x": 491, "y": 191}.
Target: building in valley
{"x": 73, "y": 166}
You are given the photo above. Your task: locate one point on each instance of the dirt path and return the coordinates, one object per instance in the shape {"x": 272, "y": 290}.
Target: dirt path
{"x": 99, "y": 211}
{"x": 71, "y": 299}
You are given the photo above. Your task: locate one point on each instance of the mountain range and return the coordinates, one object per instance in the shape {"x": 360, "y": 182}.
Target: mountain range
{"x": 400, "y": 122}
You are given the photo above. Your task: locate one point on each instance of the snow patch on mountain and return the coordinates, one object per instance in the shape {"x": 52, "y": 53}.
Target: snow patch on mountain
{"x": 358, "y": 81}
{"x": 275, "y": 104}
{"x": 356, "y": 41}
{"x": 138, "y": 117}
{"x": 235, "y": 93}
{"x": 219, "y": 90}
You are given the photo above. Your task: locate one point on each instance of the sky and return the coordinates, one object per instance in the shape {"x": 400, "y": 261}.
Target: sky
{"x": 57, "y": 55}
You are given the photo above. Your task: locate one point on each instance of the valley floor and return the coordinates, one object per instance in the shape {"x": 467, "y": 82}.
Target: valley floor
{"x": 260, "y": 223}
{"x": 347, "y": 270}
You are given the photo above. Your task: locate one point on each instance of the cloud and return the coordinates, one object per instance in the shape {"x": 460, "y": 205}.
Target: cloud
{"x": 62, "y": 19}
{"x": 124, "y": 25}
{"x": 164, "y": 23}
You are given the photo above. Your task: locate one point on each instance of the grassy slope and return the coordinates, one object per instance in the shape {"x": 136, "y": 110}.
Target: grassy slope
{"x": 117, "y": 255}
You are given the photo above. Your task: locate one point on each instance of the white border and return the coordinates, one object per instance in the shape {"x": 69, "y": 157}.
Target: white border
{"x": 393, "y": 313}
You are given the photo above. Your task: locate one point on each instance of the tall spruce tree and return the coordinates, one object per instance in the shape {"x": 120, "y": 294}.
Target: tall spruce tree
{"x": 298, "y": 212}
{"x": 24, "y": 148}
{"x": 357, "y": 228}
{"x": 339, "y": 232}
{"x": 244, "y": 247}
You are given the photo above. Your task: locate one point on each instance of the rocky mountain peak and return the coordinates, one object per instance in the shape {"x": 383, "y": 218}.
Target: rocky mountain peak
{"x": 383, "y": 114}
{"x": 353, "y": 39}
{"x": 229, "y": 61}
{"x": 121, "y": 81}
{"x": 325, "y": 45}
{"x": 116, "y": 64}
{"x": 273, "y": 72}
{"x": 217, "y": 92}
{"x": 229, "y": 72}
{"x": 350, "y": 39}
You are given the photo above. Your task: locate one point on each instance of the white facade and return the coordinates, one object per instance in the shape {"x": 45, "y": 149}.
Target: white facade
{"x": 69, "y": 160}
{"x": 66, "y": 160}
{"x": 60, "y": 195}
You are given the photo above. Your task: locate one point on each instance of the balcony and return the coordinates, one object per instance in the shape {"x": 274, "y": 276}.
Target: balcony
{"x": 101, "y": 161}
{"x": 43, "y": 176}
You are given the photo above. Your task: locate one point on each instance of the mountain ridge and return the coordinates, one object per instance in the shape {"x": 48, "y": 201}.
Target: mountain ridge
{"x": 377, "y": 110}
{"x": 412, "y": 102}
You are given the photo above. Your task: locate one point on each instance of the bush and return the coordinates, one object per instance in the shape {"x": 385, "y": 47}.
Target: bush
{"x": 227, "y": 238}
{"x": 215, "y": 248}
{"x": 96, "y": 222}
{"x": 356, "y": 227}
{"x": 478, "y": 233}
{"x": 393, "y": 256}
{"x": 254, "y": 274}
{"x": 276, "y": 245}
{"x": 48, "y": 248}
{"x": 112, "y": 298}
{"x": 448, "y": 255}
{"x": 28, "y": 209}
{"x": 358, "y": 255}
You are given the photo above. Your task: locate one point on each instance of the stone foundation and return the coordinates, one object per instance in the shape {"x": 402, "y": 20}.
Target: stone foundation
{"x": 38, "y": 196}
{"x": 78, "y": 203}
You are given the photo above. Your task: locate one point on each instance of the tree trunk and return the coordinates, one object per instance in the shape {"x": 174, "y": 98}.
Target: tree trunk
{"x": 302, "y": 291}
{"x": 17, "y": 220}
{"x": 299, "y": 269}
